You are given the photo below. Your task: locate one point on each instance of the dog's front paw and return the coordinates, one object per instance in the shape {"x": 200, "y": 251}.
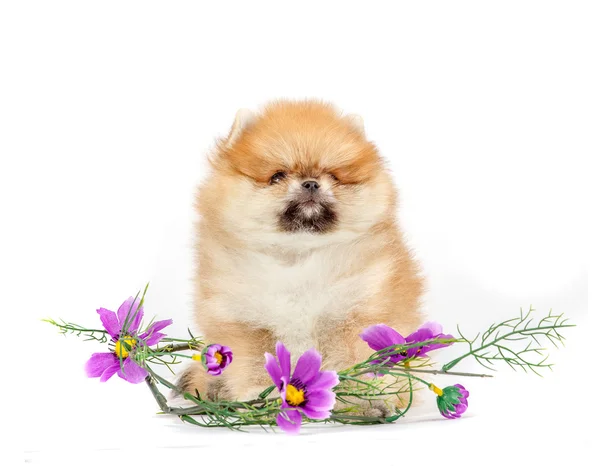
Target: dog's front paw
{"x": 247, "y": 393}
{"x": 377, "y": 408}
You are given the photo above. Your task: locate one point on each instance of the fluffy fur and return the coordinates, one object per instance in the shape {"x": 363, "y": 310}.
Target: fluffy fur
{"x": 279, "y": 261}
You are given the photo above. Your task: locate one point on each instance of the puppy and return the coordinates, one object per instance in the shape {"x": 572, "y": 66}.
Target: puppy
{"x": 297, "y": 241}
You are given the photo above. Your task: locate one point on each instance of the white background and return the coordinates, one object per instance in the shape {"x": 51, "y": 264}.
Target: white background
{"x": 486, "y": 112}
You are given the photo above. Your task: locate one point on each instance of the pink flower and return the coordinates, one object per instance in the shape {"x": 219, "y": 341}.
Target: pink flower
{"x": 307, "y": 391}
{"x": 216, "y": 358}
{"x": 453, "y": 401}
{"x": 380, "y": 337}
{"x": 123, "y": 328}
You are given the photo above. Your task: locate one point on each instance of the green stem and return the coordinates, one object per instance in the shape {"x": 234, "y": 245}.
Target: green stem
{"x": 402, "y": 373}
{"x": 162, "y": 401}
{"x": 442, "y": 372}
{"x": 168, "y": 349}
{"x": 374, "y": 420}
{"x": 454, "y": 362}
{"x": 73, "y": 327}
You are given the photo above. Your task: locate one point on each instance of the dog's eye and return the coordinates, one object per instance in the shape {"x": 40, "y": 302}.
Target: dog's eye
{"x": 277, "y": 177}
{"x": 333, "y": 177}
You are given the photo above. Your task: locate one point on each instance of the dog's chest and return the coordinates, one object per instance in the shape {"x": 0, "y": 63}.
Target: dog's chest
{"x": 292, "y": 299}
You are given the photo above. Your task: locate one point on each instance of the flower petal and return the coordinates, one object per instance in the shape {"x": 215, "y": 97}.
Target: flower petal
{"x": 325, "y": 381}
{"x": 273, "y": 369}
{"x": 448, "y": 414}
{"x": 284, "y": 359}
{"x": 155, "y": 328}
{"x": 227, "y": 352}
{"x": 423, "y": 334}
{"x": 435, "y": 346}
{"x": 227, "y": 357}
{"x": 110, "y": 371}
{"x": 460, "y": 409}
{"x": 441, "y": 336}
{"x": 381, "y": 336}
{"x": 321, "y": 400}
{"x": 132, "y": 372}
{"x": 110, "y": 322}
{"x": 312, "y": 414}
{"x": 290, "y": 421}
{"x": 155, "y": 338}
{"x": 210, "y": 350}
{"x": 308, "y": 365}
{"x": 215, "y": 371}
{"x": 426, "y": 333}
{"x": 98, "y": 363}
{"x": 434, "y": 327}
{"x": 131, "y": 312}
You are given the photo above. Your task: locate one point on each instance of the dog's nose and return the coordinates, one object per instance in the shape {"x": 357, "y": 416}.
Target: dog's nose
{"x": 310, "y": 185}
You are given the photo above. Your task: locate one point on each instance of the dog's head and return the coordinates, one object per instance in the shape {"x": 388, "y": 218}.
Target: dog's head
{"x": 297, "y": 172}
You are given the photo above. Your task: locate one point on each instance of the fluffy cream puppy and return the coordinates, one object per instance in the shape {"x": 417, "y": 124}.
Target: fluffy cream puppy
{"x": 297, "y": 241}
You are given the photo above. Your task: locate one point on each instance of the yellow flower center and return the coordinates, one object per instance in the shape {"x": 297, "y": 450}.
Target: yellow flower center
{"x": 219, "y": 357}
{"x": 122, "y": 345}
{"x": 294, "y": 396}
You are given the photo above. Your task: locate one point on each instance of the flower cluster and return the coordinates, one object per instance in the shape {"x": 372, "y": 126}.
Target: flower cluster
{"x": 215, "y": 358}
{"x": 128, "y": 345}
{"x": 451, "y": 401}
{"x": 427, "y": 338}
{"x": 305, "y": 391}
{"x": 123, "y": 328}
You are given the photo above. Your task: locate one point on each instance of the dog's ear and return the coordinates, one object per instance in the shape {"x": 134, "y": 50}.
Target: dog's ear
{"x": 356, "y": 122}
{"x": 244, "y": 118}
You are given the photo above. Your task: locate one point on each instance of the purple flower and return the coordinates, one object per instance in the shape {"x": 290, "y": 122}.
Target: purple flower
{"x": 426, "y": 332}
{"x": 307, "y": 391}
{"x": 216, "y": 358}
{"x": 452, "y": 401}
{"x": 380, "y": 336}
{"x": 123, "y": 329}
